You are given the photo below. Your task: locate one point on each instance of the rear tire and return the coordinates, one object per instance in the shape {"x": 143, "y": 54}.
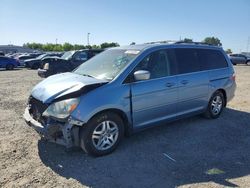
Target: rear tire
{"x": 9, "y": 67}
{"x": 35, "y": 66}
{"x": 102, "y": 134}
{"x": 215, "y": 105}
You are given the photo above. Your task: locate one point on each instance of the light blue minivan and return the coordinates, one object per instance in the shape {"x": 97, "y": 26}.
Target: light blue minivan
{"x": 126, "y": 89}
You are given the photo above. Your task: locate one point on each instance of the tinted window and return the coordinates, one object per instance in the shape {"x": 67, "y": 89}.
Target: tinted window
{"x": 240, "y": 55}
{"x": 159, "y": 64}
{"x": 187, "y": 60}
{"x": 4, "y": 59}
{"x": 81, "y": 56}
{"x": 212, "y": 59}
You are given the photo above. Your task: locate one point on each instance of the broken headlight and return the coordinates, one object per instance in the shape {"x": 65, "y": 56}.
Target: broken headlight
{"x": 62, "y": 109}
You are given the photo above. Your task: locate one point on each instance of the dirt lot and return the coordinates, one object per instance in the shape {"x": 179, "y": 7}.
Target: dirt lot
{"x": 193, "y": 152}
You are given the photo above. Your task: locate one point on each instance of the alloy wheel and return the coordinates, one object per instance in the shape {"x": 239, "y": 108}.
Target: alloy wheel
{"x": 216, "y": 105}
{"x": 105, "y": 135}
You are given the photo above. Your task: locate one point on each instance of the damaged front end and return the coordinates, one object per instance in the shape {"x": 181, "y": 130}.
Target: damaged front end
{"x": 61, "y": 131}
{"x": 51, "y": 104}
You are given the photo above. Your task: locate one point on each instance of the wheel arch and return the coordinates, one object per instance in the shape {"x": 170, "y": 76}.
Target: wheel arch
{"x": 127, "y": 124}
{"x": 223, "y": 91}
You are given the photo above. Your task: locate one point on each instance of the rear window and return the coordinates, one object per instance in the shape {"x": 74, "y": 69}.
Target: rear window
{"x": 211, "y": 59}
{"x": 187, "y": 60}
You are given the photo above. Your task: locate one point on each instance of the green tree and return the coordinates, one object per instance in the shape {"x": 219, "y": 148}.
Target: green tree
{"x": 108, "y": 45}
{"x": 67, "y": 46}
{"x": 57, "y": 48}
{"x": 35, "y": 46}
{"x": 89, "y": 47}
{"x": 213, "y": 41}
{"x": 187, "y": 40}
{"x": 95, "y": 46}
{"x": 229, "y": 51}
{"x": 79, "y": 47}
{"x": 47, "y": 47}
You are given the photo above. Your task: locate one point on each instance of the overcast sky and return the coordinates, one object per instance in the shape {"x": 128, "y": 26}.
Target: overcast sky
{"x": 121, "y": 21}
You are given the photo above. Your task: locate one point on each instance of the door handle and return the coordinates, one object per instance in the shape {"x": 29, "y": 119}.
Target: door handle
{"x": 184, "y": 82}
{"x": 170, "y": 84}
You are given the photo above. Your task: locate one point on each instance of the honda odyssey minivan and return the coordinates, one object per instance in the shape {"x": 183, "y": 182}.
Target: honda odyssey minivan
{"x": 127, "y": 89}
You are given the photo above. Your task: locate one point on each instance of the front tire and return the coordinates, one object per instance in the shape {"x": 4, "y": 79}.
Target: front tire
{"x": 102, "y": 134}
{"x": 215, "y": 105}
{"x": 35, "y": 66}
{"x": 9, "y": 67}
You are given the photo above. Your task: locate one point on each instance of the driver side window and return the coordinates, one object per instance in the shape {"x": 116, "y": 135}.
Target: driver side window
{"x": 157, "y": 63}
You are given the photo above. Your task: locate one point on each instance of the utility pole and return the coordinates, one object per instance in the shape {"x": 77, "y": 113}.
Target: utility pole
{"x": 248, "y": 43}
{"x": 88, "y": 38}
{"x": 56, "y": 41}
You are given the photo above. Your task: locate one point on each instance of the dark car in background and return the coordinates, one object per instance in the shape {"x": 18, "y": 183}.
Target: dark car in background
{"x": 24, "y": 57}
{"x": 239, "y": 59}
{"x": 8, "y": 63}
{"x": 68, "y": 62}
{"x": 35, "y": 63}
{"x": 1, "y": 53}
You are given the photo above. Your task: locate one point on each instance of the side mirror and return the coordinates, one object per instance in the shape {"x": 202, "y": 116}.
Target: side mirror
{"x": 141, "y": 75}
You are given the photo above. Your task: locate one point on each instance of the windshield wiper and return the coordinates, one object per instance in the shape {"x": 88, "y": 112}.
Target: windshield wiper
{"x": 88, "y": 75}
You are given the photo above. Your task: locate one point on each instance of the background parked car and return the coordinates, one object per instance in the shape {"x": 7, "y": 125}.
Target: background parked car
{"x": 68, "y": 62}
{"x": 24, "y": 57}
{"x": 35, "y": 63}
{"x": 8, "y": 63}
{"x": 239, "y": 59}
{"x": 1, "y": 53}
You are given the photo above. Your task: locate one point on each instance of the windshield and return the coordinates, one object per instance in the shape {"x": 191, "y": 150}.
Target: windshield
{"x": 41, "y": 56}
{"x": 67, "y": 55}
{"x": 108, "y": 64}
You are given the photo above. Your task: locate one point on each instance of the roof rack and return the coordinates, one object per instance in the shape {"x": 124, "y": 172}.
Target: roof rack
{"x": 195, "y": 43}
{"x": 164, "y": 41}
{"x": 179, "y": 42}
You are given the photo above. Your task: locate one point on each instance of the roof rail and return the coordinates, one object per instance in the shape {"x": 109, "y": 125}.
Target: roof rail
{"x": 180, "y": 42}
{"x": 195, "y": 43}
{"x": 164, "y": 41}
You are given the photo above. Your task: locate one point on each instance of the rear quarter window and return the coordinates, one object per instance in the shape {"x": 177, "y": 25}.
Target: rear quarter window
{"x": 211, "y": 59}
{"x": 187, "y": 60}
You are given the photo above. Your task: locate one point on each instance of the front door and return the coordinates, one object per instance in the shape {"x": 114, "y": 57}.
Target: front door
{"x": 155, "y": 99}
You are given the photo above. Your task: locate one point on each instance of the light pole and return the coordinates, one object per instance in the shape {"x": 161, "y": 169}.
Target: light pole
{"x": 88, "y": 38}
{"x": 248, "y": 42}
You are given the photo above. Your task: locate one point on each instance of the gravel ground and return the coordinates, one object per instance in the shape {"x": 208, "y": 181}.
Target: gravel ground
{"x": 193, "y": 152}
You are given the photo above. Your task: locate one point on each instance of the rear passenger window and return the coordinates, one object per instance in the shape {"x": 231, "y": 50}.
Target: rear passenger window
{"x": 212, "y": 59}
{"x": 187, "y": 60}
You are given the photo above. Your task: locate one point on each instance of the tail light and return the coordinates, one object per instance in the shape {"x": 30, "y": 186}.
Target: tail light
{"x": 233, "y": 77}
{"x": 46, "y": 66}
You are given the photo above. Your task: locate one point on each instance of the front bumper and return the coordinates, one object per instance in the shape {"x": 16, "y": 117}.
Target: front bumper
{"x": 61, "y": 133}
{"x": 26, "y": 65}
{"x": 43, "y": 73}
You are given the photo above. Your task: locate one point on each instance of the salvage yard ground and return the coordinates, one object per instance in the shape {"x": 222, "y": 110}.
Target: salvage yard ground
{"x": 193, "y": 152}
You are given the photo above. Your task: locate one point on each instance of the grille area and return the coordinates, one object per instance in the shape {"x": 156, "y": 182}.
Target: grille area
{"x": 36, "y": 109}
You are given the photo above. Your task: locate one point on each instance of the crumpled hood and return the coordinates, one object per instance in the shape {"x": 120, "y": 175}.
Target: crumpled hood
{"x": 61, "y": 84}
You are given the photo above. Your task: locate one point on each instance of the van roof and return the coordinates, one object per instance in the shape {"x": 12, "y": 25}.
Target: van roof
{"x": 175, "y": 45}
